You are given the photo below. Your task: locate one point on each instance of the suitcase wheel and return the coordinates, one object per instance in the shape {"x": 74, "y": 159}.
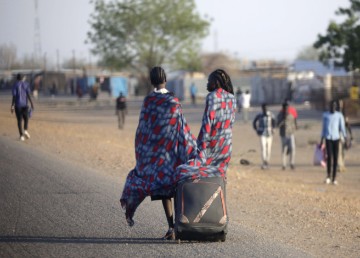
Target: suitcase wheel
{"x": 223, "y": 238}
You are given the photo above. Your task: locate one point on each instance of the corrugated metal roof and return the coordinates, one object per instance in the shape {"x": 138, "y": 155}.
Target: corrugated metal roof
{"x": 317, "y": 67}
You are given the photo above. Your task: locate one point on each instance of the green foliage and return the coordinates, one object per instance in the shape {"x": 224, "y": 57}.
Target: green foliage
{"x": 140, "y": 34}
{"x": 341, "y": 43}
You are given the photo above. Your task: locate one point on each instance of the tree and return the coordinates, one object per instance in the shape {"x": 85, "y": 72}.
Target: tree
{"x": 7, "y": 56}
{"x": 140, "y": 34}
{"x": 341, "y": 44}
{"x": 308, "y": 53}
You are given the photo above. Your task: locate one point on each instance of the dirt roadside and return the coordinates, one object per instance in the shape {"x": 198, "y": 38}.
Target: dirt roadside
{"x": 293, "y": 207}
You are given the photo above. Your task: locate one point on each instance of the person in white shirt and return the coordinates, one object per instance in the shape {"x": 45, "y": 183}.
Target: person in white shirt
{"x": 245, "y": 102}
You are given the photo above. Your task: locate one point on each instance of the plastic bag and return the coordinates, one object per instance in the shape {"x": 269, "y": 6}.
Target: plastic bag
{"x": 319, "y": 156}
{"x": 348, "y": 144}
{"x": 30, "y": 111}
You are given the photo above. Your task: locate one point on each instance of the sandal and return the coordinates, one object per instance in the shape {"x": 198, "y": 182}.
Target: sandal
{"x": 170, "y": 235}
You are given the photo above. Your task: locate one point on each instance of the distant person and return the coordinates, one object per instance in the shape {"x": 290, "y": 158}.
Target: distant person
{"x": 53, "y": 90}
{"x": 291, "y": 110}
{"x": 72, "y": 86}
{"x": 238, "y": 99}
{"x": 94, "y": 91}
{"x": 333, "y": 124}
{"x": 193, "y": 92}
{"x": 36, "y": 87}
{"x": 291, "y": 90}
{"x": 163, "y": 141}
{"x": 121, "y": 110}
{"x": 21, "y": 94}
{"x": 245, "y": 103}
{"x": 343, "y": 143}
{"x": 286, "y": 121}
{"x": 79, "y": 91}
{"x": 264, "y": 124}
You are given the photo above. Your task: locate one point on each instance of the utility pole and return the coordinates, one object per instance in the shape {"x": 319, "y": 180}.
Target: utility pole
{"x": 74, "y": 60}
{"x": 37, "y": 36}
{"x": 74, "y": 67}
{"x": 57, "y": 60}
{"x": 45, "y": 60}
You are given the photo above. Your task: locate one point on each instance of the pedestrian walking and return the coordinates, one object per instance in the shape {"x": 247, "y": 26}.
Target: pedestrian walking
{"x": 239, "y": 99}
{"x": 162, "y": 142}
{"x": 193, "y": 92}
{"x": 21, "y": 95}
{"x": 121, "y": 110}
{"x": 286, "y": 121}
{"x": 264, "y": 124}
{"x": 245, "y": 105}
{"x": 333, "y": 125}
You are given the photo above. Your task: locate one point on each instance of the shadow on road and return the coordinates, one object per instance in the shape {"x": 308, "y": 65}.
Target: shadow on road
{"x": 81, "y": 240}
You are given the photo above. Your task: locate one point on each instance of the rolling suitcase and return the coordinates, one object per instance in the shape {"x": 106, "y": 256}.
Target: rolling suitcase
{"x": 200, "y": 210}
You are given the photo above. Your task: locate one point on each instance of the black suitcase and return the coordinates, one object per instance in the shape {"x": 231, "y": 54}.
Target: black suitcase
{"x": 200, "y": 210}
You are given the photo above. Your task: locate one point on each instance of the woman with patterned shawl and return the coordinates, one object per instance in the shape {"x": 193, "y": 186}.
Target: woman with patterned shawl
{"x": 214, "y": 142}
{"x": 163, "y": 141}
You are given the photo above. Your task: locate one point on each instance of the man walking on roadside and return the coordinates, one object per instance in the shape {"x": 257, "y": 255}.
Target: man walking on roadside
{"x": 286, "y": 121}
{"x": 121, "y": 110}
{"x": 239, "y": 99}
{"x": 333, "y": 126}
{"x": 193, "y": 92}
{"x": 21, "y": 95}
{"x": 245, "y": 103}
{"x": 264, "y": 124}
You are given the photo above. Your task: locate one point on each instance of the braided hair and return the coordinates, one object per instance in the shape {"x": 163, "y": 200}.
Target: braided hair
{"x": 222, "y": 80}
{"x": 157, "y": 75}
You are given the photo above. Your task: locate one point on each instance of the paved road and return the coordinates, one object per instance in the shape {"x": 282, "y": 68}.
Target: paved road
{"x": 52, "y": 208}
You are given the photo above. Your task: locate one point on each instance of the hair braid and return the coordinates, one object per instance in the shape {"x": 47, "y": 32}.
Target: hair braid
{"x": 157, "y": 75}
{"x": 222, "y": 80}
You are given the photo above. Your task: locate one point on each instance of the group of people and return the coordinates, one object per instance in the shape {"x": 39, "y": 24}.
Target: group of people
{"x": 167, "y": 152}
{"x": 265, "y": 123}
{"x": 336, "y": 133}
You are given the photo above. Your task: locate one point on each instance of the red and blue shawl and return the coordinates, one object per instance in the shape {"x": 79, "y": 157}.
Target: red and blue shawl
{"x": 167, "y": 152}
{"x": 214, "y": 142}
{"x": 163, "y": 141}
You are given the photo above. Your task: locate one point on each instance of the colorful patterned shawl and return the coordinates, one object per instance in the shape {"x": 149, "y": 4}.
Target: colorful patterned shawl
{"x": 163, "y": 141}
{"x": 215, "y": 138}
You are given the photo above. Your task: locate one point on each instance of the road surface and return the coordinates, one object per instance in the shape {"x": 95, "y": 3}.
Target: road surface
{"x": 53, "y": 208}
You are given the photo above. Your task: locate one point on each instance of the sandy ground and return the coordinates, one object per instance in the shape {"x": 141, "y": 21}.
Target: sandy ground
{"x": 293, "y": 207}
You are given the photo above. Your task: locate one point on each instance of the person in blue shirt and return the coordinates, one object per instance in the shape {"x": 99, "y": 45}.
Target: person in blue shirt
{"x": 21, "y": 95}
{"x": 193, "y": 92}
{"x": 333, "y": 124}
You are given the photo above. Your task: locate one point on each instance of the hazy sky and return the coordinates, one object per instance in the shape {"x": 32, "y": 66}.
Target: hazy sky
{"x": 249, "y": 29}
